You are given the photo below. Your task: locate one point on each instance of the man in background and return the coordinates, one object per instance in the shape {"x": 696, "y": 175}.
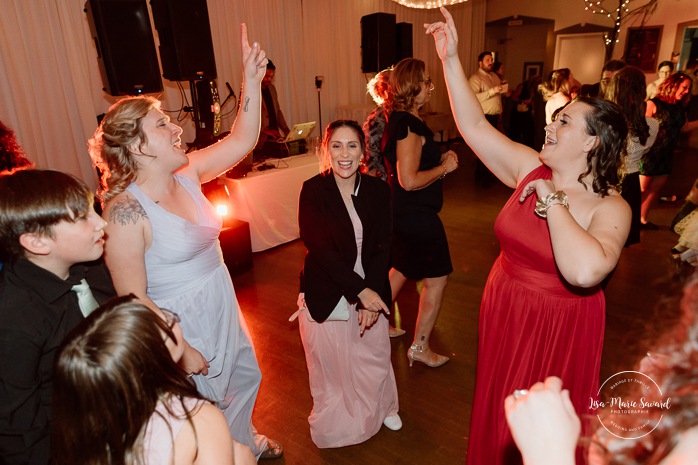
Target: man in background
{"x": 692, "y": 72}
{"x": 274, "y": 127}
{"x": 599, "y": 89}
{"x": 488, "y": 89}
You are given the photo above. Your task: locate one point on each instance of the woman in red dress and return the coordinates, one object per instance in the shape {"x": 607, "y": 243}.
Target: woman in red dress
{"x": 561, "y": 234}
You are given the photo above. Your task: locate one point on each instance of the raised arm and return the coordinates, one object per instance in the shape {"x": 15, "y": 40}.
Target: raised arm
{"x": 209, "y": 162}
{"x": 509, "y": 161}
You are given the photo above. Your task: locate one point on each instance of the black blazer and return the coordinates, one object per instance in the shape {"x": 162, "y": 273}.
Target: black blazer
{"x": 326, "y": 230}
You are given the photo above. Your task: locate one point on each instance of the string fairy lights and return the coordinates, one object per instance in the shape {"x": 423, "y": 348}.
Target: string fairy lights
{"x": 428, "y": 4}
{"x": 620, "y": 14}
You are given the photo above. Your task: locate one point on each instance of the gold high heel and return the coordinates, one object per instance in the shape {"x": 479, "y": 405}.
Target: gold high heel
{"x": 422, "y": 353}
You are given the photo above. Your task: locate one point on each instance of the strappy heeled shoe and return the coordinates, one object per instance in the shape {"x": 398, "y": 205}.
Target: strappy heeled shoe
{"x": 422, "y": 353}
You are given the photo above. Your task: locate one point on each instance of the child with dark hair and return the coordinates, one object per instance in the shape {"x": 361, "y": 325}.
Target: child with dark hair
{"x": 48, "y": 231}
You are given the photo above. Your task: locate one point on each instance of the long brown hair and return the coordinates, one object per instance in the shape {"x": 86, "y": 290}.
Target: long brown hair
{"x": 627, "y": 89}
{"x": 110, "y": 374}
{"x": 405, "y": 84}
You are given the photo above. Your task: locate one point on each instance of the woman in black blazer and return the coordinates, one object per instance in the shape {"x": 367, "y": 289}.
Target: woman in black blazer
{"x": 345, "y": 222}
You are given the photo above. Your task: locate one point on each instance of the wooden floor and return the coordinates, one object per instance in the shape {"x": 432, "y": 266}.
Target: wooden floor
{"x": 435, "y": 404}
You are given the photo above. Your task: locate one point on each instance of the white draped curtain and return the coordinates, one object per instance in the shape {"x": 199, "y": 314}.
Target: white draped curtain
{"x": 51, "y": 90}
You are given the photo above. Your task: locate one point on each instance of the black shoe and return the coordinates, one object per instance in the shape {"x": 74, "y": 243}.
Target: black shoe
{"x": 649, "y": 225}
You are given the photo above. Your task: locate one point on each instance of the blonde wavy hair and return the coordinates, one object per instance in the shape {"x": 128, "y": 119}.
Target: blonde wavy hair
{"x": 379, "y": 86}
{"x": 110, "y": 146}
{"x": 558, "y": 81}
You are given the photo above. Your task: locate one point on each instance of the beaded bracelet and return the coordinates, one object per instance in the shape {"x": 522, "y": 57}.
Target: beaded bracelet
{"x": 445, "y": 172}
{"x": 554, "y": 198}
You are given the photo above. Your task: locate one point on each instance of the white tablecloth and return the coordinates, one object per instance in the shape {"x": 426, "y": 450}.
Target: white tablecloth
{"x": 268, "y": 200}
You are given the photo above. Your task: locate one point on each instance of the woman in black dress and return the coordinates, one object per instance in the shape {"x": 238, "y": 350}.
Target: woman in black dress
{"x": 668, "y": 107}
{"x": 415, "y": 168}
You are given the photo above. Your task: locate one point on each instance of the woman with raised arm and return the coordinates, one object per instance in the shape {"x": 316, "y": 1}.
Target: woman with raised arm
{"x": 120, "y": 397}
{"x": 561, "y": 234}
{"x": 163, "y": 237}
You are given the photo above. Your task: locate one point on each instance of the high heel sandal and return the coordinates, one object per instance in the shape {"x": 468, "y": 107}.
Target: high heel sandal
{"x": 422, "y": 353}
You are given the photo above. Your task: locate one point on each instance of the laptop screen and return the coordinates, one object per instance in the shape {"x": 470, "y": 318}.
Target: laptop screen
{"x": 300, "y": 131}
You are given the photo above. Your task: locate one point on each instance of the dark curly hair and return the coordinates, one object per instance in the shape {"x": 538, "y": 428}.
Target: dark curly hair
{"x": 11, "y": 154}
{"x": 604, "y": 120}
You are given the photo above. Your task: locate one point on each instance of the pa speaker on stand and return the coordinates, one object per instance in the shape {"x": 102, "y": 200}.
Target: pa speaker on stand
{"x": 186, "y": 52}
{"x": 378, "y": 42}
{"x": 186, "y": 47}
{"x": 126, "y": 53}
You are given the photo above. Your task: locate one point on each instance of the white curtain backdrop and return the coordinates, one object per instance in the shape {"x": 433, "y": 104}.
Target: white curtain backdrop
{"x": 51, "y": 90}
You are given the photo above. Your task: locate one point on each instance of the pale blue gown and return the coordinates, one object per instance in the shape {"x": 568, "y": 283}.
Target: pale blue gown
{"x": 186, "y": 274}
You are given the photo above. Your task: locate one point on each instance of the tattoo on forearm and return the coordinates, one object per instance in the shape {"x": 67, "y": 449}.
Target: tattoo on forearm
{"x": 127, "y": 211}
{"x": 247, "y": 103}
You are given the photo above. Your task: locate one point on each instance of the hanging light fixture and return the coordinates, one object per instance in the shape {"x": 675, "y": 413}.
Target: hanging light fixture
{"x": 428, "y": 4}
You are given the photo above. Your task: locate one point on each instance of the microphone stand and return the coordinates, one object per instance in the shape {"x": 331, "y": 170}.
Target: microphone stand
{"x": 318, "y": 86}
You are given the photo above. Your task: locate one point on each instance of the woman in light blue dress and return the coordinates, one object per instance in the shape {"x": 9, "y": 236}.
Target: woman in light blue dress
{"x": 163, "y": 239}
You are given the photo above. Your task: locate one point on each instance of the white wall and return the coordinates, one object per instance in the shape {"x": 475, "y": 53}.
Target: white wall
{"x": 567, "y": 13}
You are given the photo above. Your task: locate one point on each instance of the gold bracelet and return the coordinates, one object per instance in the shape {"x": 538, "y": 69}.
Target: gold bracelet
{"x": 445, "y": 173}
{"x": 554, "y": 198}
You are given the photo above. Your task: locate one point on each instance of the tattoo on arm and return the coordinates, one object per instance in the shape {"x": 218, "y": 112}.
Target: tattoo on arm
{"x": 247, "y": 103}
{"x": 127, "y": 211}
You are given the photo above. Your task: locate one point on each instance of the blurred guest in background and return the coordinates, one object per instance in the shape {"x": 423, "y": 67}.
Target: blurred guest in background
{"x": 668, "y": 107}
{"x": 274, "y": 127}
{"x": 627, "y": 90}
{"x": 607, "y": 72}
{"x": 379, "y": 90}
{"x": 664, "y": 69}
{"x": 488, "y": 89}
{"x": 557, "y": 91}
{"x": 12, "y": 155}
